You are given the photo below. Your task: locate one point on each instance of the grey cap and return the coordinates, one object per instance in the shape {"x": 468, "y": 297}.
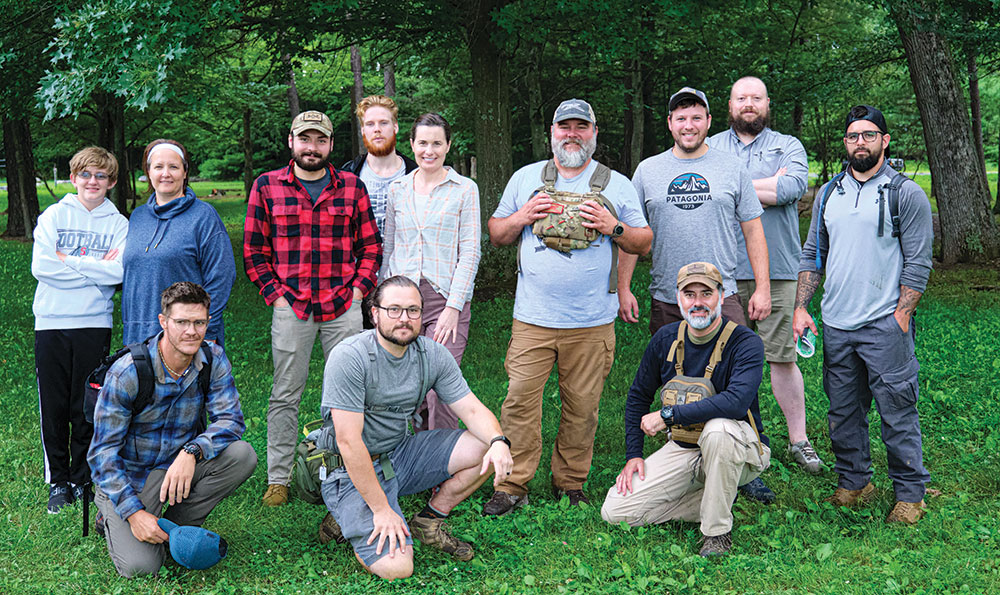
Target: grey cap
{"x": 685, "y": 93}
{"x": 574, "y": 109}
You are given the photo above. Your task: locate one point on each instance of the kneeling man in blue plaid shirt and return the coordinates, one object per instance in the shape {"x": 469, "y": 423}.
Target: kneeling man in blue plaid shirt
{"x": 164, "y": 453}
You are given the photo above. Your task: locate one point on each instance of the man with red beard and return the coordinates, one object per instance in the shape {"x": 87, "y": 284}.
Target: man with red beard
{"x": 381, "y": 164}
{"x": 311, "y": 246}
{"x": 779, "y": 168}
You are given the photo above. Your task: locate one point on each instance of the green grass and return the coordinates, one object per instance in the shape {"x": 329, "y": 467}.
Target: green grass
{"x": 798, "y": 545}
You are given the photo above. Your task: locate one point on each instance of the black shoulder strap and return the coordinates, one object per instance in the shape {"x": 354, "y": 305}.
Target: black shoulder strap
{"x": 144, "y": 371}
{"x": 205, "y": 374}
{"x": 819, "y": 218}
{"x": 895, "y": 186}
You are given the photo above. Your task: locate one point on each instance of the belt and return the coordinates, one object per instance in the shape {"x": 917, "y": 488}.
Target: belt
{"x": 337, "y": 461}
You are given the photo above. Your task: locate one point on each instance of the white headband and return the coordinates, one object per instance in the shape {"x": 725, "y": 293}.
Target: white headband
{"x": 170, "y": 146}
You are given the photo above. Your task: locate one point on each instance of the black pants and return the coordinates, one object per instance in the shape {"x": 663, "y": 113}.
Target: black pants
{"x": 63, "y": 360}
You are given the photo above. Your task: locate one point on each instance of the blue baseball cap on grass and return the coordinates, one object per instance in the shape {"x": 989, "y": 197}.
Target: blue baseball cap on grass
{"x": 194, "y": 547}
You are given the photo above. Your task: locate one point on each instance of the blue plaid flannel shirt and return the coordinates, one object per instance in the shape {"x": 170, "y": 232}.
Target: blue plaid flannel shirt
{"x": 125, "y": 450}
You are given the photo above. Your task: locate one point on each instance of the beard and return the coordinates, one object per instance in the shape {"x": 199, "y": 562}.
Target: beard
{"x": 386, "y": 149}
{"x": 574, "y": 159}
{"x": 390, "y": 337}
{"x": 702, "y": 322}
{"x": 753, "y": 127}
{"x": 300, "y": 161}
{"x": 863, "y": 164}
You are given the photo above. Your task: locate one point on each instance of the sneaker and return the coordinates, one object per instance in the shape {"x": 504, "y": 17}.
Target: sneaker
{"x": 329, "y": 531}
{"x": 717, "y": 545}
{"x": 59, "y": 496}
{"x": 756, "y": 490}
{"x": 805, "y": 456}
{"x": 501, "y": 503}
{"x": 79, "y": 491}
{"x": 276, "y": 495}
{"x": 906, "y": 512}
{"x": 852, "y": 498}
{"x": 576, "y": 497}
{"x": 434, "y": 533}
{"x": 99, "y": 523}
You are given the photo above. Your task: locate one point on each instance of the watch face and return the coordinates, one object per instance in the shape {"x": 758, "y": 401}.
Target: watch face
{"x": 619, "y": 230}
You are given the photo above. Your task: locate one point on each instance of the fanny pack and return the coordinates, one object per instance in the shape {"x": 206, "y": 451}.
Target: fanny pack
{"x": 683, "y": 389}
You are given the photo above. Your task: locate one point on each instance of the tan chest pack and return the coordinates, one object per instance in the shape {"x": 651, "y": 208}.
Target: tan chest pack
{"x": 682, "y": 389}
{"x": 562, "y": 227}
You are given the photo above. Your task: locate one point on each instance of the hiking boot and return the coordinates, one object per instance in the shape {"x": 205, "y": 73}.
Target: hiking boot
{"x": 501, "y": 503}
{"x": 805, "y": 456}
{"x": 576, "y": 497}
{"x": 81, "y": 491}
{"x": 718, "y": 545}
{"x": 906, "y": 512}
{"x": 59, "y": 496}
{"x": 329, "y": 530}
{"x": 276, "y": 495}
{"x": 434, "y": 533}
{"x": 99, "y": 523}
{"x": 756, "y": 490}
{"x": 852, "y": 498}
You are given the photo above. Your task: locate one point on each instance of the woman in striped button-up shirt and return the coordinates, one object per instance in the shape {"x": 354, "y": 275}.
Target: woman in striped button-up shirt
{"x": 432, "y": 232}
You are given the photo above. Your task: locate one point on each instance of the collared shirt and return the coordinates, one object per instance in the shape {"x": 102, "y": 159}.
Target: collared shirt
{"x": 438, "y": 242}
{"x": 763, "y": 157}
{"x": 126, "y": 448}
{"x": 313, "y": 255}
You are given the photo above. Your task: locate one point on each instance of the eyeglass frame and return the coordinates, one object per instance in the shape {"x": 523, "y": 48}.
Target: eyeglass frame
{"x": 184, "y": 323}
{"x": 409, "y": 315}
{"x": 861, "y": 135}
{"x": 86, "y": 175}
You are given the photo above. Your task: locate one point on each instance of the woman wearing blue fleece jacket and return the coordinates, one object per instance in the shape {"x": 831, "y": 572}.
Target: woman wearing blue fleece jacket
{"x": 173, "y": 237}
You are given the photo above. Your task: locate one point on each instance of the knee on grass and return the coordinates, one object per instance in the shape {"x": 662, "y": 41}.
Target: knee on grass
{"x": 390, "y": 569}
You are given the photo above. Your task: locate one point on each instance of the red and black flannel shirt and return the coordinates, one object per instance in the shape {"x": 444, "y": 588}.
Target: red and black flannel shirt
{"x": 313, "y": 255}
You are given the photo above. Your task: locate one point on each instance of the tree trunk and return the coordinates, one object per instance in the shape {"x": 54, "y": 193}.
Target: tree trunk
{"x": 491, "y": 94}
{"x": 976, "y": 107}
{"x": 968, "y": 229}
{"x": 357, "y": 94}
{"x": 247, "y": 154}
{"x": 293, "y": 91}
{"x": 121, "y": 194}
{"x": 646, "y": 60}
{"x": 798, "y": 113}
{"x": 389, "y": 78}
{"x": 22, "y": 194}
{"x": 536, "y": 108}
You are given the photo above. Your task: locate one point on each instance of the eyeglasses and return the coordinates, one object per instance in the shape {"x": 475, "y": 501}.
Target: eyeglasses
{"x": 186, "y": 324}
{"x": 86, "y": 175}
{"x": 395, "y": 311}
{"x": 868, "y": 135}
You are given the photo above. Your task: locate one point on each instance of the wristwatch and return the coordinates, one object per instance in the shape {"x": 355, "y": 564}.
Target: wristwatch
{"x": 193, "y": 449}
{"x": 618, "y": 231}
{"x": 501, "y": 438}
{"x": 667, "y": 415}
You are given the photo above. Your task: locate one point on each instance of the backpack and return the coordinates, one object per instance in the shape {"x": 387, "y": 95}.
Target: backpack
{"x": 683, "y": 389}
{"x": 316, "y": 455}
{"x": 886, "y": 192}
{"x": 561, "y": 229}
{"x": 144, "y": 396}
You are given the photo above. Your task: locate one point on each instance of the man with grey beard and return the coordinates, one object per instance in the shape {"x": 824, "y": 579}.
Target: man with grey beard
{"x": 779, "y": 168}
{"x": 564, "y": 309}
{"x": 694, "y": 477}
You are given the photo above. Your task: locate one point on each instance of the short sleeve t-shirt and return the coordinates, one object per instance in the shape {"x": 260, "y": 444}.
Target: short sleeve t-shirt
{"x": 387, "y": 389}
{"x": 378, "y": 190}
{"x": 566, "y": 289}
{"x": 695, "y": 207}
{"x": 315, "y": 187}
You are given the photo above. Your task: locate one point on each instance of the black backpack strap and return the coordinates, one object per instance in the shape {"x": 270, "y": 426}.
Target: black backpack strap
{"x": 895, "y": 186}
{"x": 835, "y": 181}
{"x": 144, "y": 371}
{"x": 205, "y": 374}
{"x": 425, "y": 377}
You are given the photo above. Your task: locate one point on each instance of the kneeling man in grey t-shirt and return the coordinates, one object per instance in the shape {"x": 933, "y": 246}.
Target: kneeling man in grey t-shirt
{"x": 373, "y": 384}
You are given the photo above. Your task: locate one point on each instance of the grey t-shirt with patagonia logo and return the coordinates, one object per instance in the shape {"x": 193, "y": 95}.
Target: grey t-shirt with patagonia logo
{"x": 386, "y": 390}
{"x": 695, "y": 207}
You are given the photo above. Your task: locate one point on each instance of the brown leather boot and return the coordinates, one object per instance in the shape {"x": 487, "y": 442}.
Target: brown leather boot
{"x": 852, "y": 498}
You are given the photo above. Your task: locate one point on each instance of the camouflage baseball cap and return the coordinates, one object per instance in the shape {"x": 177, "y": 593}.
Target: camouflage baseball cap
{"x": 699, "y": 272}
{"x": 687, "y": 93}
{"x": 574, "y": 109}
{"x": 312, "y": 120}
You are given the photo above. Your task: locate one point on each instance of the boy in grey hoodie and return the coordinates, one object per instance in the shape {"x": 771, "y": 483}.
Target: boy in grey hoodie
{"x": 77, "y": 261}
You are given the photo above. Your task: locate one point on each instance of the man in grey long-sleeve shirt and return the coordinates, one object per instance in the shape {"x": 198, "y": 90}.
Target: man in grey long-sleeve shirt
{"x": 779, "y": 168}
{"x": 872, "y": 284}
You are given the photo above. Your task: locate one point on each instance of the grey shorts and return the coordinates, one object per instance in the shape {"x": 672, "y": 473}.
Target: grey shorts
{"x": 420, "y": 463}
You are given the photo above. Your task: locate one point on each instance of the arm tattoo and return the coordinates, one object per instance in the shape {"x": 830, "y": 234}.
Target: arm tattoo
{"x": 808, "y": 282}
{"x": 908, "y": 299}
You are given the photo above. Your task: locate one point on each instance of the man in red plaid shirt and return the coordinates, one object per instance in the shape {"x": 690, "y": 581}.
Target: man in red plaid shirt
{"x": 311, "y": 245}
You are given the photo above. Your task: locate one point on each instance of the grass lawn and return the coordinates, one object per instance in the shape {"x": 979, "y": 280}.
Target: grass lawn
{"x": 797, "y": 545}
